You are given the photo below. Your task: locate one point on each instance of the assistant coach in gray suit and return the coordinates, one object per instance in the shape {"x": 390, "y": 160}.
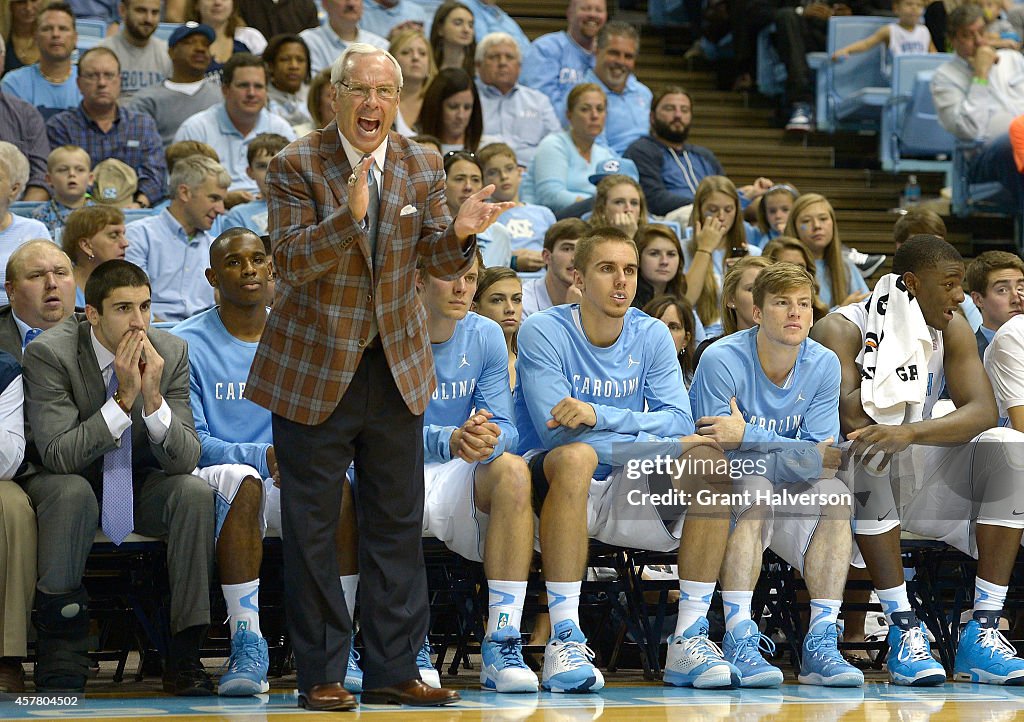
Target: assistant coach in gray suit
{"x": 108, "y": 401}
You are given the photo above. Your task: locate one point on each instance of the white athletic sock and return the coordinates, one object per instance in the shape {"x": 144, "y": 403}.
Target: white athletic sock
{"x": 988, "y": 597}
{"x": 349, "y": 585}
{"x": 563, "y": 602}
{"x": 505, "y": 602}
{"x": 694, "y": 601}
{"x": 737, "y": 608}
{"x": 894, "y": 600}
{"x": 243, "y": 602}
{"x": 824, "y": 610}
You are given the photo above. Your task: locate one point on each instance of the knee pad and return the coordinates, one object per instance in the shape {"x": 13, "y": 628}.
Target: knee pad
{"x": 62, "y": 623}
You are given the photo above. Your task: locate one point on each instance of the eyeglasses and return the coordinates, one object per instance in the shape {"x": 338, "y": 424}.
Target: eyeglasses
{"x": 93, "y": 77}
{"x": 384, "y": 92}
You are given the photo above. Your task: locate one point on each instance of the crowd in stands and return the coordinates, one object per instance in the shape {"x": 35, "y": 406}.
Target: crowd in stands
{"x": 150, "y": 162}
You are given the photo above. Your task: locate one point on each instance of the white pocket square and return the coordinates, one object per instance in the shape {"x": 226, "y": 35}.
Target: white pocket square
{"x": 408, "y": 210}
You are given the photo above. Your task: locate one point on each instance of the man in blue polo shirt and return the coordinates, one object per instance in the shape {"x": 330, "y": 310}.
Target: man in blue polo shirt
{"x": 229, "y": 126}
{"x": 327, "y": 41}
{"x": 629, "y": 100}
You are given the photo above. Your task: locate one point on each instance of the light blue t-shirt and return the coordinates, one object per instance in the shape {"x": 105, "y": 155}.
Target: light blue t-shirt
{"x": 559, "y": 175}
{"x": 804, "y": 409}
{"x": 380, "y": 20}
{"x": 472, "y": 374}
{"x": 854, "y": 282}
{"x": 251, "y": 215}
{"x": 49, "y": 98}
{"x": 555, "y": 65}
{"x": 635, "y": 385}
{"x": 232, "y": 429}
{"x": 526, "y": 226}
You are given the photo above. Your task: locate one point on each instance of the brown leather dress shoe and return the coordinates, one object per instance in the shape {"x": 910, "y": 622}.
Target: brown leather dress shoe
{"x": 329, "y": 696}
{"x": 12, "y": 675}
{"x": 413, "y": 693}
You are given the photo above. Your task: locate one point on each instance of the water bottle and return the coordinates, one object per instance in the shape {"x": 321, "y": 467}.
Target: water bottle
{"x": 911, "y": 192}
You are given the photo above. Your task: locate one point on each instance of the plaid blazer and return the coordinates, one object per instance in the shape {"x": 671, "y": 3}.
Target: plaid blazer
{"x": 326, "y": 289}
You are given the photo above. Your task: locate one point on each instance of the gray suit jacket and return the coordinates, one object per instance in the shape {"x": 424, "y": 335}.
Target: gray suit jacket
{"x": 64, "y": 392}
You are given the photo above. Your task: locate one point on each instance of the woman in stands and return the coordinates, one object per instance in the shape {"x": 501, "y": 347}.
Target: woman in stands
{"x": 451, "y": 37}
{"x": 92, "y": 235}
{"x": 772, "y": 213}
{"x": 18, "y": 26}
{"x": 737, "y": 306}
{"x": 561, "y": 169}
{"x": 319, "y": 98}
{"x": 678, "y": 315}
{"x": 813, "y": 221}
{"x": 790, "y": 250}
{"x": 661, "y": 264}
{"x": 499, "y": 297}
{"x": 717, "y": 236}
{"x": 287, "y": 59}
{"x": 233, "y": 36}
{"x": 451, "y": 111}
{"x": 619, "y": 201}
{"x": 412, "y": 51}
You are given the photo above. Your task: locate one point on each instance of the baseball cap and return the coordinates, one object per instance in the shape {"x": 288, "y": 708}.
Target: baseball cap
{"x": 615, "y": 166}
{"x": 115, "y": 183}
{"x": 190, "y": 28}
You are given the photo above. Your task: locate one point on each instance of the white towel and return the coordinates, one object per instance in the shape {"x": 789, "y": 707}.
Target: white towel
{"x": 895, "y": 355}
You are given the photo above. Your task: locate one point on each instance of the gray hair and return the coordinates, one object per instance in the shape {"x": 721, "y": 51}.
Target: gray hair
{"x": 492, "y": 39}
{"x": 617, "y": 29}
{"x": 341, "y": 66}
{"x": 193, "y": 171}
{"x": 961, "y": 17}
{"x": 16, "y": 165}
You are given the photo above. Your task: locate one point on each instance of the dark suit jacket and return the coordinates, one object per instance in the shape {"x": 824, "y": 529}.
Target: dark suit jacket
{"x": 64, "y": 391}
{"x": 315, "y": 334}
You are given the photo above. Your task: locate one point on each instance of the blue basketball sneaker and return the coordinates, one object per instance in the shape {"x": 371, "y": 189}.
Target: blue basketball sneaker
{"x": 821, "y": 663}
{"x": 503, "y": 668}
{"x": 428, "y": 673}
{"x": 353, "y": 673}
{"x": 910, "y": 661}
{"x": 743, "y": 649}
{"x": 693, "y": 660}
{"x": 567, "y": 661}
{"x": 984, "y": 655}
{"x": 246, "y": 667}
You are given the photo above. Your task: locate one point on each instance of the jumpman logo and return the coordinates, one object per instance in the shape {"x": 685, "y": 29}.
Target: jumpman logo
{"x": 800, "y": 396}
{"x": 463, "y": 361}
{"x": 630, "y": 363}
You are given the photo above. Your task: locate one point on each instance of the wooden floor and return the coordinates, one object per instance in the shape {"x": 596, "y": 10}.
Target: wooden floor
{"x": 876, "y": 702}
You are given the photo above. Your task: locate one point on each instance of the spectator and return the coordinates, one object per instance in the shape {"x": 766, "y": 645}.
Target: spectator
{"x": 977, "y": 96}
{"x": 320, "y": 98}
{"x": 678, "y": 315}
{"x": 287, "y": 57}
{"x": 229, "y": 126}
{"x": 174, "y": 245}
{"x": 903, "y": 37}
{"x": 519, "y": 115}
{"x": 557, "y": 286}
{"x": 499, "y": 297}
{"x": 93, "y": 235}
{"x": 67, "y": 372}
{"x": 41, "y": 289}
{"x": 670, "y": 168}
{"x": 452, "y": 37}
{"x": 558, "y": 61}
{"x": 18, "y": 164}
{"x": 996, "y": 283}
{"x": 231, "y": 35}
{"x": 629, "y": 100}
{"x": 526, "y": 223}
{"x": 773, "y": 212}
{"x": 463, "y": 178}
{"x": 20, "y": 35}
{"x": 69, "y": 173}
{"x": 279, "y": 17}
{"x": 22, "y": 125}
{"x": 52, "y": 84}
{"x": 14, "y": 229}
{"x": 253, "y": 215}
{"x": 187, "y": 91}
{"x": 564, "y": 161}
{"x": 105, "y": 10}
{"x": 105, "y": 130}
{"x": 383, "y": 17}
{"x": 661, "y": 264}
{"x": 412, "y": 51}
{"x": 717, "y": 235}
{"x": 737, "y": 294}
{"x": 813, "y": 221}
{"x": 143, "y": 58}
{"x": 619, "y": 202}
{"x": 451, "y": 112}
{"x": 489, "y": 18}
{"x": 327, "y": 41}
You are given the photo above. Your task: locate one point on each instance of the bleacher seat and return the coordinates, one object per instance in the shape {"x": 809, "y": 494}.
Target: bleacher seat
{"x": 851, "y": 93}
{"x": 911, "y": 138}
{"x": 25, "y": 208}
{"x": 989, "y": 197}
{"x": 91, "y": 27}
{"x": 164, "y": 30}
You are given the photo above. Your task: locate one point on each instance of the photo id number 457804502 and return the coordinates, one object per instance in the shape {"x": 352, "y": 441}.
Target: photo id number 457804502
{"x": 41, "y": 700}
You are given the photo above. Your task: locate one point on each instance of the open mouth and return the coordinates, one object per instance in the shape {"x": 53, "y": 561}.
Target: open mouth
{"x": 368, "y": 125}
